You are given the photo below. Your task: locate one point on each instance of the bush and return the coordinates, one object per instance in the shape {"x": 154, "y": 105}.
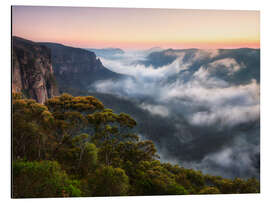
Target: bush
{"x": 209, "y": 190}
{"x": 42, "y": 179}
{"x": 109, "y": 181}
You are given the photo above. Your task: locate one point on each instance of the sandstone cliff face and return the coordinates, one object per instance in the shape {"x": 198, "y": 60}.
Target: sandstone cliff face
{"x": 77, "y": 68}
{"x": 32, "y": 72}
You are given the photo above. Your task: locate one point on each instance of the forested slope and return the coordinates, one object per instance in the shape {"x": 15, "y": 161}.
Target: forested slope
{"x": 74, "y": 146}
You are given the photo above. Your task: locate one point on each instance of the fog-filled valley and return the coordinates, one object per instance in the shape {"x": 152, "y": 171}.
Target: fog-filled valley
{"x": 159, "y": 122}
{"x": 122, "y": 101}
{"x": 201, "y": 108}
{"x": 106, "y": 122}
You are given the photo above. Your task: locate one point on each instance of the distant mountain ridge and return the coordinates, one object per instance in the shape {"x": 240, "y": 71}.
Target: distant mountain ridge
{"x": 32, "y": 72}
{"x": 106, "y": 51}
{"x": 160, "y": 58}
{"x": 153, "y": 49}
{"x": 196, "y": 58}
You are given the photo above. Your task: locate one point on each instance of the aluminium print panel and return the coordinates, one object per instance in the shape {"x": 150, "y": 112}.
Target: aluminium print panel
{"x": 134, "y": 101}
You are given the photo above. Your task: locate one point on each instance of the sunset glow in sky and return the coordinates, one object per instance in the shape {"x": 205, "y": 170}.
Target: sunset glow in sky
{"x": 130, "y": 28}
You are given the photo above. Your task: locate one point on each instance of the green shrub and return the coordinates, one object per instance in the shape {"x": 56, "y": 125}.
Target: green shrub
{"x": 209, "y": 190}
{"x": 109, "y": 181}
{"x": 42, "y": 179}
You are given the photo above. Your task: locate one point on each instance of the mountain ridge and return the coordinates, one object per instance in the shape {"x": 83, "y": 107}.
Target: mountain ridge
{"x": 76, "y": 67}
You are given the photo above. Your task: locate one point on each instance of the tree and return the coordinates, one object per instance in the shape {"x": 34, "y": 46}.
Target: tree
{"x": 193, "y": 181}
{"x": 209, "y": 190}
{"x": 32, "y": 124}
{"x": 42, "y": 179}
{"x": 78, "y": 157}
{"x": 100, "y": 150}
{"x": 153, "y": 179}
{"x": 87, "y": 158}
{"x": 110, "y": 130}
{"x": 76, "y": 116}
{"x": 250, "y": 185}
{"x": 129, "y": 154}
{"x": 70, "y": 115}
{"x": 109, "y": 181}
{"x": 137, "y": 151}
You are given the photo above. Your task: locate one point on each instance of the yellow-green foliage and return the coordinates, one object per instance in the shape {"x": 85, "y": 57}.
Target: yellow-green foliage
{"x": 108, "y": 181}
{"x": 209, "y": 190}
{"x": 42, "y": 179}
{"x": 73, "y": 146}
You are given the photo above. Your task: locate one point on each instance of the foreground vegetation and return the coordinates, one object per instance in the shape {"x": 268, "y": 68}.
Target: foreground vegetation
{"x": 74, "y": 146}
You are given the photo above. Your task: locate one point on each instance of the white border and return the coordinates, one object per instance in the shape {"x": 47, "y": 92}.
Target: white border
{"x": 188, "y": 4}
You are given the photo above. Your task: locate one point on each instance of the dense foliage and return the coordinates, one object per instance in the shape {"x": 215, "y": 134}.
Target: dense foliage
{"x": 74, "y": 146}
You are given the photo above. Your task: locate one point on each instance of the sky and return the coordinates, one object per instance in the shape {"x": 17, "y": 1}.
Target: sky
{"x": 137, "y": 28}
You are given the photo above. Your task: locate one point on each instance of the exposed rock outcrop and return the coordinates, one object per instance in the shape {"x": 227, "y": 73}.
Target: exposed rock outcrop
{"x": 32, "y": 72}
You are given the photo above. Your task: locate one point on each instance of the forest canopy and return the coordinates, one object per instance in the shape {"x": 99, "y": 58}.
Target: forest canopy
{"x": 74, "y": 146}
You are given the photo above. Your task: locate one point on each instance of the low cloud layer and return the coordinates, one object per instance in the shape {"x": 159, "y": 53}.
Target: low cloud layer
{"x": 202, "y": 97}
{"x": 128, "y": 66}
{"x": 222, "y": 103}
{"x": 239, "y": 160}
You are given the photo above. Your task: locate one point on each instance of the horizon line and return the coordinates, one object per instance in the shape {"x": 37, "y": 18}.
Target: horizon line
{"x": 132, "y": 49}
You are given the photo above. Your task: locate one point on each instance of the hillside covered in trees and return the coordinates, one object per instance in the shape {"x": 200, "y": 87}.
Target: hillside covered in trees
{"x": 76, "y": 147}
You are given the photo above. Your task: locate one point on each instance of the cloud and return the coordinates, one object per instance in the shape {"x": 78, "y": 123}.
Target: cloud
{"x": 222, "y": 103}
{"x": 205, "y": 53}
{"x": 237, "y": 160}
{"x": 156, "y": 109}
{"x": 228, "y": 116}
{"x": 206, "y": 110}
{"x": 228, "y": 64}
{"x": 240, "y": 158}
{"x": 140, "y": 71}
{"x": 198, "y": 54}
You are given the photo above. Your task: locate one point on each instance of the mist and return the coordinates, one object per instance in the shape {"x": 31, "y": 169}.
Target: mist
{"x": 214, "y": 115}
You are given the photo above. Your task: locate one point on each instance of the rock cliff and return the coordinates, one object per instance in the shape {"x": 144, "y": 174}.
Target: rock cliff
{"x": 32, "y": 72}
{"x": 77, "y": 68}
